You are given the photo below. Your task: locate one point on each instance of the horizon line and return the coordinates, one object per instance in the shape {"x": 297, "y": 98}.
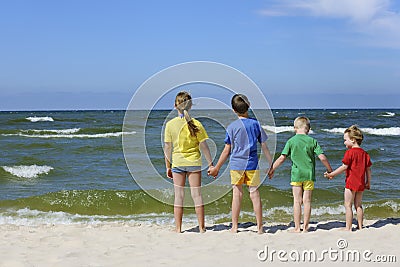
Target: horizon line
{"x": 166, "y": 109}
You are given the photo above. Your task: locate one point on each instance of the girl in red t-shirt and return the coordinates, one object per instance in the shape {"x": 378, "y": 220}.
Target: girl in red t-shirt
{"x": 356, "y": 163}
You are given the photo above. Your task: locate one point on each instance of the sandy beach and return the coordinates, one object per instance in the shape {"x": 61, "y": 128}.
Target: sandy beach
{"x": 155, "y": 245}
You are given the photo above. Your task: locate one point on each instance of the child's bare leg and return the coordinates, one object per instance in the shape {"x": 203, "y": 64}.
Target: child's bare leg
{"x": 359, "y": 209}
{"x": 297, "y": 201}
{"x": 307, "y": 209}
{"x": 179, "y": 183}
{"x": 348, "y": 201}
{"x": 178, "y": 214}
{"x": 257, "y": 206}
{"x": 195, "y": 190}
{"x": 237, "y": 196}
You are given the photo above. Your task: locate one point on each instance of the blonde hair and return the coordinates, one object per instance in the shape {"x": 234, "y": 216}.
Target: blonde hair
{"x": 302, "y": 122}
{"x": 355, "y": 133}
{"x": 183, "y": 103}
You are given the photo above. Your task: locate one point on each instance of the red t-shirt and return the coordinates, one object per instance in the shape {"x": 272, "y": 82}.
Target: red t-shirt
{"x": 357, "y": 161}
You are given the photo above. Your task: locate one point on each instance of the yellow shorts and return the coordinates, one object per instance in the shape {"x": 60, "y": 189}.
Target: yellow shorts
{"x": 250, "y": 178}
{"x": 307, "y": 185}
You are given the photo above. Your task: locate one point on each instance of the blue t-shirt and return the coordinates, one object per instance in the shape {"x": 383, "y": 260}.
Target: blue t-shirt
{"x": 243, "y": 135}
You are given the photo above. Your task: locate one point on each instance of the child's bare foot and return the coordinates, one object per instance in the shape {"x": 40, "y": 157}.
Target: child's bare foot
{"x": 346, "y": 229}
{"x": 178, "y": 230}
{"x": 234, "y": 230}
{"x": 305, "y": 230}
{"x": 261, "y": 231}
{"x": 202, "y": 230}
{"x": 294, "y": 231}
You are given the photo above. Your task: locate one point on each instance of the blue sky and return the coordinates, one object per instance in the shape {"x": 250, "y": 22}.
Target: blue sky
{"x": 301, "y": 53}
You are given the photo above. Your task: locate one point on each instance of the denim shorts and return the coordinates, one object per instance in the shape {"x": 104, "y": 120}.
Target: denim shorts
{"x": 181, "y": 169}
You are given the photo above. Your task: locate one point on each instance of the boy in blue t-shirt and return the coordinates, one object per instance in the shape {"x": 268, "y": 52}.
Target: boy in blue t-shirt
{"x": 241, "y": 140}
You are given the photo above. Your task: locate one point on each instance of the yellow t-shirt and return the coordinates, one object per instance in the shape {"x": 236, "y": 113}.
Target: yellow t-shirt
{"x": 186, "y": 151}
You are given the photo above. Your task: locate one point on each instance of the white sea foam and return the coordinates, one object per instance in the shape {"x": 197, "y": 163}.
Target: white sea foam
{"x": 335, "y": 130}
{"x": 333, "y": 112}
{"x": 28, "y": 217}
{"x": 288, "y": 210}
{"x": 271, "y": 211}
{"x": 36, "y": 119}
{"x": 316, "y": 211}
{"x": 391, "y": 131}
{"x": 280, "y": 129}
{"x": 382, "y": 131}
{"x": 62, "y": 131}
{"x": 388, "y": 114}
{"x": 24, "y": 171}
{"x": 393, "y": 205}
{"x": 64, "y": 135}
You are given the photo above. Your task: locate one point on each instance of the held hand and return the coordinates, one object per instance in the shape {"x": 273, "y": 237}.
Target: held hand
{"x": 169, "y": 173}
{"x": 368, "y": 186}
{"x": 327, "y": 175}
{"x": 212, "y": 171}
{"x": 271, "y": 173}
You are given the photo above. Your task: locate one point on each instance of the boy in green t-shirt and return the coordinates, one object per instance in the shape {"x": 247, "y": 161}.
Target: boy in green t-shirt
{"x": 301, "y": 149}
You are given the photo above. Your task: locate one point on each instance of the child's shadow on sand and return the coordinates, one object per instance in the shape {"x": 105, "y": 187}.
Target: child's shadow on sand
{"x": 223, "y": 227}
{"x": 381, "y": 223}
{"x": 338, "y": 224}
{"x": 244, "y": 227}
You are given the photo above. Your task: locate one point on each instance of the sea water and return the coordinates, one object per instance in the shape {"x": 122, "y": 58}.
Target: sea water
{"x": 67, "y": 167}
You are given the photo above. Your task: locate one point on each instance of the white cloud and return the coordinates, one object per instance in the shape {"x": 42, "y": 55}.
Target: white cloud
{"x": 386, "y": 29}
{"x": 356, "y": 10}
{"x": 373, "y": 18}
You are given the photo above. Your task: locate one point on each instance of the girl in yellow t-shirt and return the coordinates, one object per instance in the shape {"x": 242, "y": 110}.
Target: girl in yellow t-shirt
{"x": 183, "y": 139}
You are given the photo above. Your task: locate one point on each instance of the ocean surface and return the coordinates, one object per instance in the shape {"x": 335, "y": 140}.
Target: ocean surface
{"x": 68, "y": 167}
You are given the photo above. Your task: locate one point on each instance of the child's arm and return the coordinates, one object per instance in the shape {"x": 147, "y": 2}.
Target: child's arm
{"x": 339, "y": 170}
{"x": 368, "y": 174}
{"x": 276, "y": 164}
{"x": 325, "y": 161}
{"x": 224, "y": 156}
{"x": 206, "y": 152}
{"x": 167, "y": 158}
{"x": 267, "y": 154}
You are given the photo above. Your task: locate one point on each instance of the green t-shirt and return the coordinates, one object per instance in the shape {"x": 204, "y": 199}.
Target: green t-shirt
{"x": 302, "y": 149}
